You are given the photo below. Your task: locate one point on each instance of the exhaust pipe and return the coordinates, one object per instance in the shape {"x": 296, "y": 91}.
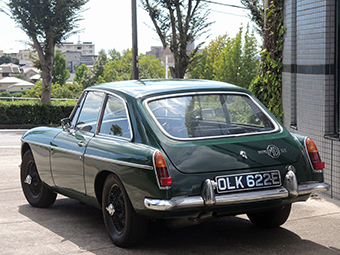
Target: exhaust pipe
{"x": 187, "y": 222}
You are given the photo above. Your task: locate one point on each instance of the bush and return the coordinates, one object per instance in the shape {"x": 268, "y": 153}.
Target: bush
{"x": 34, "y": 113}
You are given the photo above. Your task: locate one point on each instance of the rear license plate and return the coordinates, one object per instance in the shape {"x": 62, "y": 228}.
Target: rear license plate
{"x": 248, "y": 181}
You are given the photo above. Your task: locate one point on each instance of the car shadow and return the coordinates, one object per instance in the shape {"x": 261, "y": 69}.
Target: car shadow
{"x": 83, "y": 225}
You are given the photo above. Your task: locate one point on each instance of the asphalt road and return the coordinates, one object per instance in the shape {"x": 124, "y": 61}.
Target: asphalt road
{"x": 71, "y": 228}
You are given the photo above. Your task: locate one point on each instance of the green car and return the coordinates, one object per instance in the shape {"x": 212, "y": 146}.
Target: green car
{"x": 178, "y": 151}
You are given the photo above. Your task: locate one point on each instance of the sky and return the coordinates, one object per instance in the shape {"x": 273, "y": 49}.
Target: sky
{"x": 107, "y": 24}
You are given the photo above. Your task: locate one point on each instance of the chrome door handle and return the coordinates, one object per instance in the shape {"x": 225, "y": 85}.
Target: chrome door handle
{"x": 82, "y": 144}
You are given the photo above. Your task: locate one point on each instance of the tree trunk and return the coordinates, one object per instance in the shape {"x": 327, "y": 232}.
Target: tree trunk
{"x": 46, "y": 63}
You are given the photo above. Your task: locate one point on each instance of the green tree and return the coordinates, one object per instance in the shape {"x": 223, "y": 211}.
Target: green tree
{"x": 204, "y": 68}
{"x": 250, "y": 59}
{"x": 114, "y": 54}
{"x": 228, "y": 64}
{"x": 8, "y": 59}
{"x": 88, "y": 79}
{"x": 18, "y": 75}
{"x": 120, "y": 67}
{"x": 60, "y": 73}
{"x": 57, "y": 91}
{"x": 178, "y": 24}
{"x": 80, "y": 70}
{"x": 150, "y": 67}
{"x": 256, "y": 8}
{"x": 99, "y": 64}
{"x": 267, "y": 87}
{"x": 46, "y": 23}
{"x": 232, "y": 60}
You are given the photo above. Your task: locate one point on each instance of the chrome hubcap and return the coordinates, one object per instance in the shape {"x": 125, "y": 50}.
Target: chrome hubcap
{"x": 111, "y": 210}
{"x": 28, "y": 179}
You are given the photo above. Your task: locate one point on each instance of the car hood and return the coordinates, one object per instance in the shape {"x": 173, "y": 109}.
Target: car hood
{"x": 257, "y": 151}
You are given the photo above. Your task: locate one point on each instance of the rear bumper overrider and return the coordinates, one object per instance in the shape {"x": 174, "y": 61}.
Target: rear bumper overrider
{"x": 289, "y": 190}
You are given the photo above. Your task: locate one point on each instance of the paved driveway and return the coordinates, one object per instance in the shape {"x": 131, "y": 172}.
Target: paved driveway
{"x": 71, "y": 228}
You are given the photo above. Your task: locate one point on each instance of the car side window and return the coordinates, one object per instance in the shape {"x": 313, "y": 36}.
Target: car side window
{"x": 88, "y": 117}
{"x": 77, "y": 111}
{"x": 115, "y": 120}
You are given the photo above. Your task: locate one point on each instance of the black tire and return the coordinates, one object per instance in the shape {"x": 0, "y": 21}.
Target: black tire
{"x": 35, "y": 191}
{"x": 271, "y": 219}
{"x": 124, "y": 226}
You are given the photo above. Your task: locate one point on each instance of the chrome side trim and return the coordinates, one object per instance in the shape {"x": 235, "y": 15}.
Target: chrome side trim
{"x": 36, "y": 144}
{"x": 118, "y": 162}
{"x": 54, "y": 148}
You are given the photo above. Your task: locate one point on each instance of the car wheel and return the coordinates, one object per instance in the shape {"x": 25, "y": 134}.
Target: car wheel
{"x": 124, "y": 226}
{"x": 35, "y": 191}
{"x": 271, "y": 219}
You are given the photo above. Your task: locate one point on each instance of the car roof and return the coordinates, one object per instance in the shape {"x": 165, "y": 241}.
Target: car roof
{"x": 146, "y": 88}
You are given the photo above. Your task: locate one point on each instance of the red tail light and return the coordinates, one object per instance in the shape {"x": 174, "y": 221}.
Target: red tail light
{"x": 314, "y": 155}
{"x": 164, "y": 179}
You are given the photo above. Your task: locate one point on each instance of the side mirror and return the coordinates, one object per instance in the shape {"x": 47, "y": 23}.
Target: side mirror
{"x": 65, "y": 123}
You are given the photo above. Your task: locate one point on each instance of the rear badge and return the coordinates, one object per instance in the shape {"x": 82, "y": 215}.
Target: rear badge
{"x": 272, "y": 151}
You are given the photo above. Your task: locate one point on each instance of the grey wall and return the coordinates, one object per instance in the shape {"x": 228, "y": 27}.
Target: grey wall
{"x": 308, "y": 79}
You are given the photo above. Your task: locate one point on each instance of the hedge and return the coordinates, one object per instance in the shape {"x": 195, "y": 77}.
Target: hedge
{"x": 34, "y": 113}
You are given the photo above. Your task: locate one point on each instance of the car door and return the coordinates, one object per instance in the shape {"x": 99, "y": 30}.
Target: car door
{"x": 69, "y": 146}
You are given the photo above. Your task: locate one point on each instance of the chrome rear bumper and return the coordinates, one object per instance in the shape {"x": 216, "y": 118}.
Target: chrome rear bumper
{"x": 290, "y": 189}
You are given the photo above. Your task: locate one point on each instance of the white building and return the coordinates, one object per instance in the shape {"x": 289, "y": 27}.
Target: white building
{"x": 13, "y": 84}
{"x": 86, "y": 48}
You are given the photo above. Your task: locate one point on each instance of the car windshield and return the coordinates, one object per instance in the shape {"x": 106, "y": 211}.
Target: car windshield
{"x": 210, "y": 115}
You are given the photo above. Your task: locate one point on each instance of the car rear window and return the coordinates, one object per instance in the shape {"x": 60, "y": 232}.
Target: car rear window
{"x": 210, "y": 115}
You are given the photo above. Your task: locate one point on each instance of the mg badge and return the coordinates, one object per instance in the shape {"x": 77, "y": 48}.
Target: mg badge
{"x": 273, "y": 151}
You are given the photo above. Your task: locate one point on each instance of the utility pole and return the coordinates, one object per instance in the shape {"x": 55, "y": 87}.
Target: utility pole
{"x": 135, "y": 73}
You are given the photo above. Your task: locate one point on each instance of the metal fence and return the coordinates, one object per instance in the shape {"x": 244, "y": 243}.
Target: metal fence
{"x": 35, "y": 98}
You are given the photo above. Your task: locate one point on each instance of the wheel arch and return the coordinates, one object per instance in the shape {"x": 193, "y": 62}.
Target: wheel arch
{"x": 99, "y": 184}
{"x": 24, "y": 148}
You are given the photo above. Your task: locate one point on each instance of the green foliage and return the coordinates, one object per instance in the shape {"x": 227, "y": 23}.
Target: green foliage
{"x": 8, "y": 59}
{"x": 232, "y": 60}
{"x": 69, "y": 90}
{"x": 256, "y": 8}
{"x": 46, "y": 23}
{"x": 178, "y": 24}
{"x": 5, "y": 94}
{"x": 267, "y": 87}
{"x": 150, "y": 67}
{"x": 18, "y": 75}
{"x": 60, "y": 73}
{"x": 34, "y": 112}
{"x": 118, "y": 68}
{"x": 99, "y": 64}
{"x": 80, "y": 70}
